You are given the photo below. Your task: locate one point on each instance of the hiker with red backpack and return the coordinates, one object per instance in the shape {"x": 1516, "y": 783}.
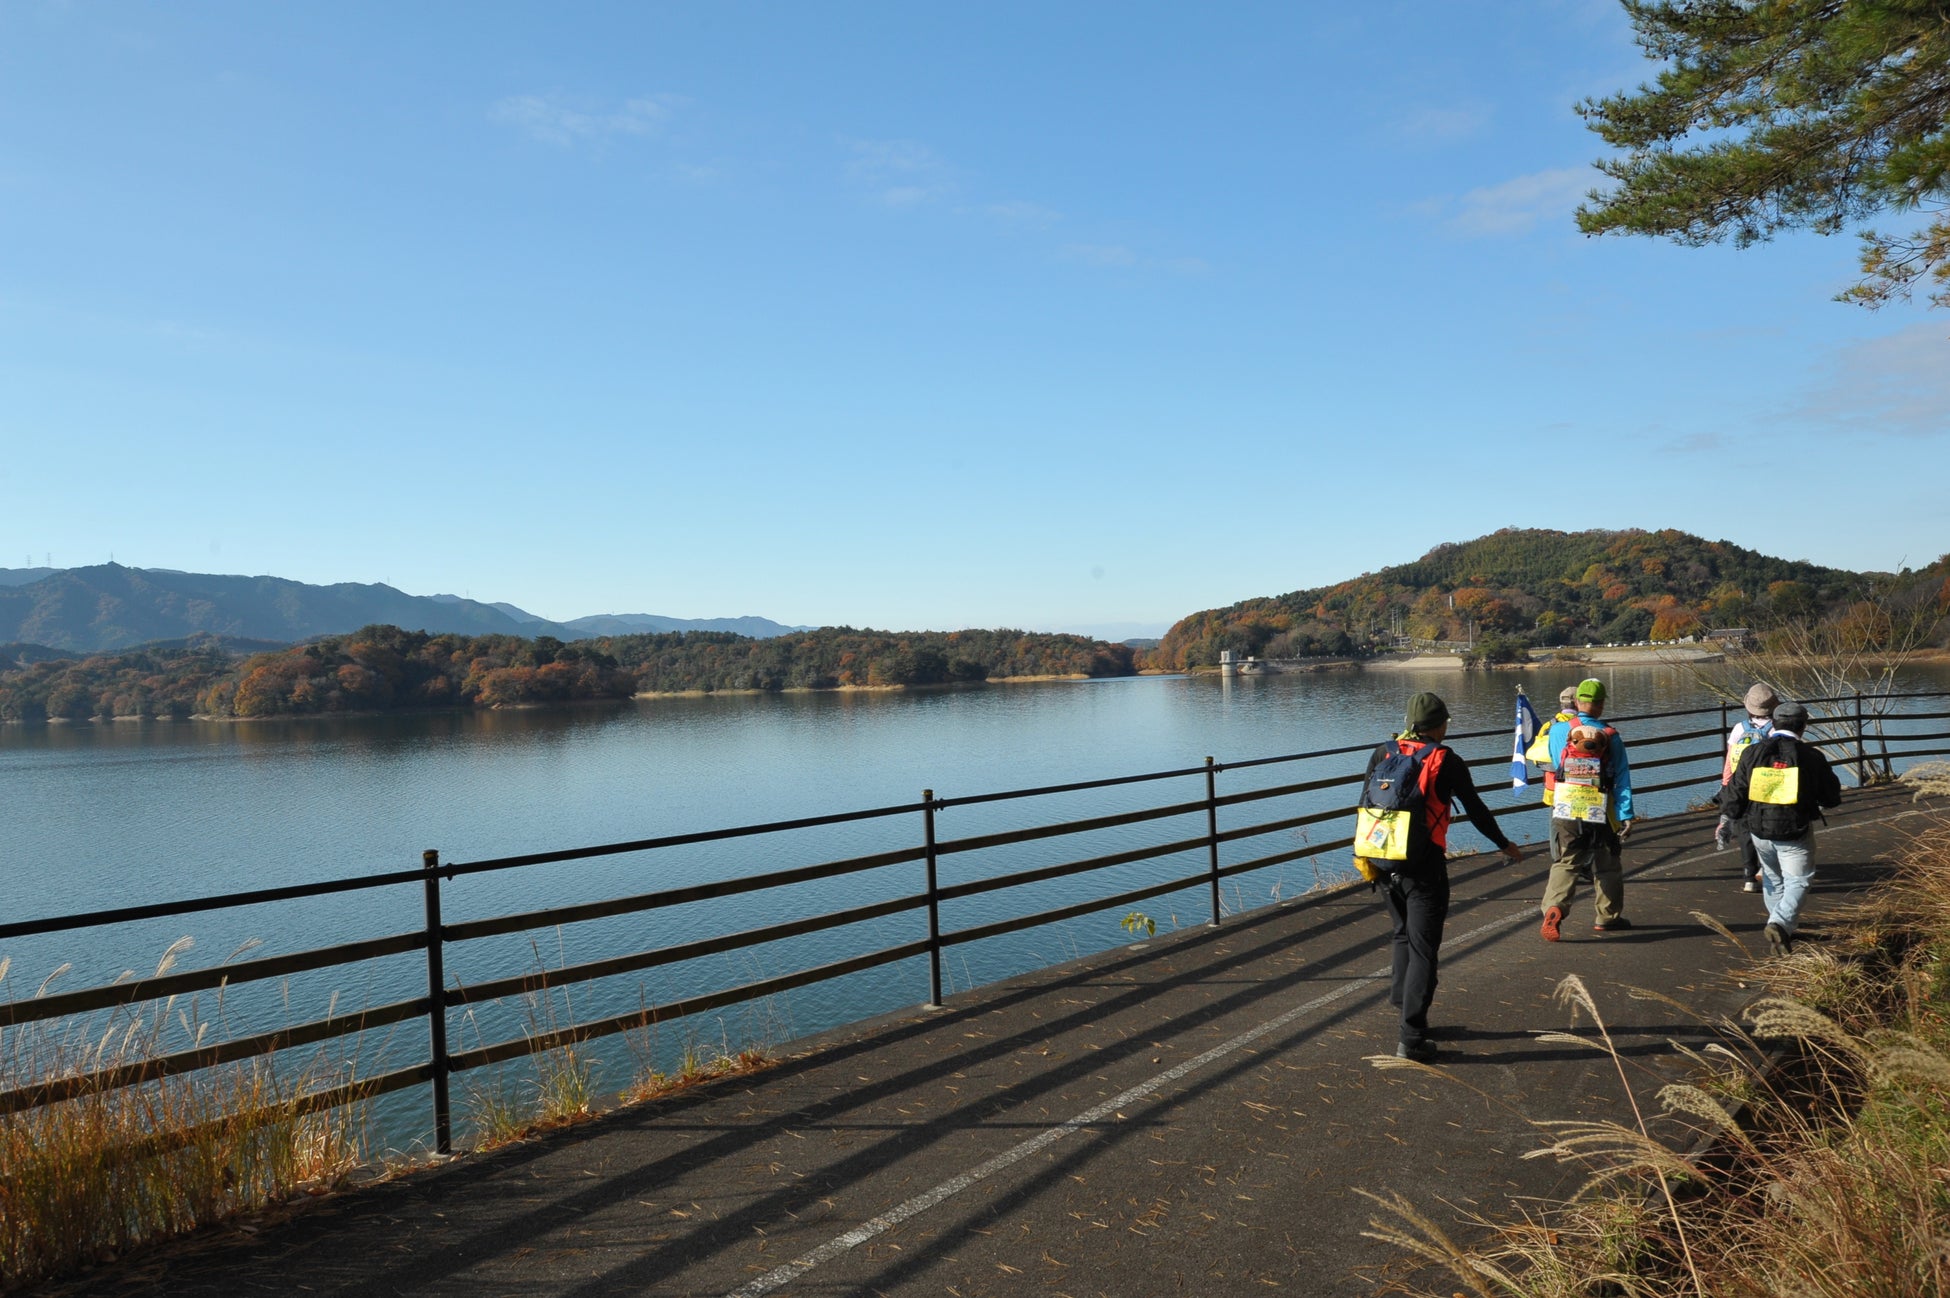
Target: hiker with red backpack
{"x": 1779, "y": 789}
{"x": 1402, "y": 841}
{"x": 1591, "y": 814}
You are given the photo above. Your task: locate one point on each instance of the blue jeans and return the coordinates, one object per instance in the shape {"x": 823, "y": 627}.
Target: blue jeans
{"x": 1786, "y": 869}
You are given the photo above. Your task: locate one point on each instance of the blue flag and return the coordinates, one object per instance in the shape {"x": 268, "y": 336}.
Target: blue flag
{"x": 1526, "y": 731}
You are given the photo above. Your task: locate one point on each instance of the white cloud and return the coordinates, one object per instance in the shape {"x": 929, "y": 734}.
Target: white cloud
{"x": 908, "y": 195}
{"x": 689, "y": 173}
{"x": 1023, "y": 214}
{"x": 874, "y": 158}
{"x": 1099, "y": 254}
{"x": 900, "y": 173}
{"x": 908, "y": 174}
{"x": 1442, "y": 125}
{"x": 555, "y": 120}
{"x": 1117, "y": 255}
{"x": 1700, "y": 444}
{"x": 1897, "y": 385}
{"x": 1516, "y": 205}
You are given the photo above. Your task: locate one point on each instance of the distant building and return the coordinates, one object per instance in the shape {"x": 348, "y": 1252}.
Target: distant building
{"x": 1735, "y": 636}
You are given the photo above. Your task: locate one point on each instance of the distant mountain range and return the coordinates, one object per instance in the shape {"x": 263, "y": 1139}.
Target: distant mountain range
{"x": 110, "y": 606}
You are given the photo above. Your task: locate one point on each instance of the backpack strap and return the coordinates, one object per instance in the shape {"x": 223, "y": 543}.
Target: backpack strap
{"x": 1429, "y": 770}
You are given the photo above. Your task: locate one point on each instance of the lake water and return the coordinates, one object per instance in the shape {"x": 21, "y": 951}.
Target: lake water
{"x": 123, "y": 814}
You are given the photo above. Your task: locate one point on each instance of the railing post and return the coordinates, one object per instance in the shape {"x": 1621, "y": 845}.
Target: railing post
{"x": 1212, "y": 833}
{"x": 934, "y": 905}
{"x": 1726, "y": 724}
{"x": 443, "y": 1121}
{"x": 1861, "y": 744}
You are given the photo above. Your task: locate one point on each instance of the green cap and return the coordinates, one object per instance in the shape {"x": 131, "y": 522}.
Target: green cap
{"x": 1591, "y": 690}
{"x": 1426, "y": 711}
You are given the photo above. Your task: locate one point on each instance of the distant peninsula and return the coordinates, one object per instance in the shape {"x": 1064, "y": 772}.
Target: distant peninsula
{"x": 387, "y": 669}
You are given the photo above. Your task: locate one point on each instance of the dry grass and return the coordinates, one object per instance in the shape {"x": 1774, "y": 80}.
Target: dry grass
{"x": 558, "y": 1088}
{"x": 1827, "y": 1174}
{"x": 694, "y": 1069}
{"x": 554, "y": 1088}
{"x": 764, "y": 1023}
{"x": 1927, "y": 778}
{"x": 89, "y": 1178}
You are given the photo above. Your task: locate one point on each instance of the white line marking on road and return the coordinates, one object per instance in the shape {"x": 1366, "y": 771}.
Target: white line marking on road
{"x": 866, "y": 1230}
{"x": 779, "y": 1277}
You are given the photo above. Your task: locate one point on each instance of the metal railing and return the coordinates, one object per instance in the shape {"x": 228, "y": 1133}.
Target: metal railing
{"x": 1844, "y": 726}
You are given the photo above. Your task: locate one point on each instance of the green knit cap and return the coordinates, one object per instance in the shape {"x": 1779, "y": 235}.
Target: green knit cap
{"x": 1426, "y": 711}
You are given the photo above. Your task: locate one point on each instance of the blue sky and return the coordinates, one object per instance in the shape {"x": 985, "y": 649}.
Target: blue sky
{"x": 1076, "y": 317}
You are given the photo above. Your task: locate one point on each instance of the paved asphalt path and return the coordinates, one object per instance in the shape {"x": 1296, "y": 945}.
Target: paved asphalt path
{"x": 1191, "y": 1115}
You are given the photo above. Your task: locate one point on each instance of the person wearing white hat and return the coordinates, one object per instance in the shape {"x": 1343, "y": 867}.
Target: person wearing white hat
{"x": 1749, "y": 730}
{"x": 1779, "y": 790}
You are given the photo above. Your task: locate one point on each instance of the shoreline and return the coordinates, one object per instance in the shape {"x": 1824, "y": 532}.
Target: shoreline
{"x": 869, "y": 689}
{"x": 1416, "y": 663}
{"x": 367, "y": 713}
{"x": 1634, "y": 656}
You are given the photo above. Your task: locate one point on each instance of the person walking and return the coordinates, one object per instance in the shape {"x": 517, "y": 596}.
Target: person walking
{"x": 1779, "y": 789}
{"x": 1591, "y": 814}
{"x": 1539, "y": 754}
{"x": 1417, "y": 889}
{"x": 1749, "y": 730}
{"x": 1539, "y": 751}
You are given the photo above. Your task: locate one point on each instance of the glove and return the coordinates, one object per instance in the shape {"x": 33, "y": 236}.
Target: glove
{"x": 1723, "y": 835}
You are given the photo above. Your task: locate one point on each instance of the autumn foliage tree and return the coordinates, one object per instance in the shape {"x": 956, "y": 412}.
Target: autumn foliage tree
{"x": 383, "y": 668}
{"x": 1524, "y": 586}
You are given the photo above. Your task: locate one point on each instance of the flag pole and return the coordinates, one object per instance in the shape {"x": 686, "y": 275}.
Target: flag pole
{"x": 1520, "y": 737}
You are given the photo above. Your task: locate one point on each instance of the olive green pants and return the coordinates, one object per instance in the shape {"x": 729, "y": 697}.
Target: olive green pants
{"x": 1576, "y": 845}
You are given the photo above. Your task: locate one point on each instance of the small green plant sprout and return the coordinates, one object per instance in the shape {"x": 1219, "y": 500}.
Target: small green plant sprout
{"x": 1136, "y": 920}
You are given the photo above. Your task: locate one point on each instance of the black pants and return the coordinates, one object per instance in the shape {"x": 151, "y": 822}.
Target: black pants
{"x": 1749, "y": 858}
{"x": 1418, "y": 902}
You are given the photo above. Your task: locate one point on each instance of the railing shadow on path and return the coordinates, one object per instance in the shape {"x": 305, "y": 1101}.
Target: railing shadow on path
{"x": 1198, "y": 980}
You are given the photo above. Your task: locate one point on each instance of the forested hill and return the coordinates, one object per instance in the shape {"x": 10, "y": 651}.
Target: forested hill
{"x": 1523, "y": 586}
{"x": 382, "y": 668}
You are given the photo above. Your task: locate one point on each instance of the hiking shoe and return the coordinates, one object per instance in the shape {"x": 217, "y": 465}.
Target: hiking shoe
{"x": 1752, "y": 885}
{"x": 1611, "y": 925}
{"x": 1422, "y": 1052}
{"x": 1777, "y": 940}
{"x": 1552, "y": 919}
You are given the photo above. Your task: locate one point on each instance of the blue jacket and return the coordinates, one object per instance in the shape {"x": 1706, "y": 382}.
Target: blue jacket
{"x": 1616, "y": 764}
